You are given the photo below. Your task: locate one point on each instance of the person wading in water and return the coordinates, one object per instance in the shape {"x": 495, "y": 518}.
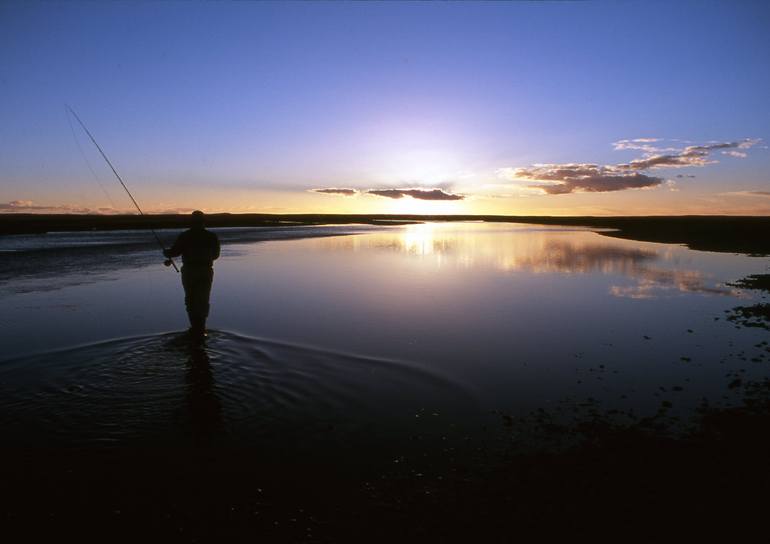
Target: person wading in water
{"x": 199, "y": 249}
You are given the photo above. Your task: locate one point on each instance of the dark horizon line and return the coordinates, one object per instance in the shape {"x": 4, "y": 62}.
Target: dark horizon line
{"x": 722, "y": 233}
{"x": 6, "y": 214}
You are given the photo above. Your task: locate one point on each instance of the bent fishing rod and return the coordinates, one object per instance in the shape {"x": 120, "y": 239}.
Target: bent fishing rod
{"x": 104, "y": 156}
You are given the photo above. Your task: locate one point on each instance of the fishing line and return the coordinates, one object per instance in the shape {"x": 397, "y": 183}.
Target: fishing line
{"x": 88, "y": 163}
{"x": 107, "y": 160}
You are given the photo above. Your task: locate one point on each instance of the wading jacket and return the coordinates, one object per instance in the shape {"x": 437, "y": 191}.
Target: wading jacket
{"x": 198, "y": 248}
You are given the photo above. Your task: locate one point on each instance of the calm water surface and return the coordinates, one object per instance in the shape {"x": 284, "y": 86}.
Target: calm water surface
{"x": 380, "y": 332}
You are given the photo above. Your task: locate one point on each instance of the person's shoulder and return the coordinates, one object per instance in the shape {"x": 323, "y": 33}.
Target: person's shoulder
{"x": 212, "y": 235}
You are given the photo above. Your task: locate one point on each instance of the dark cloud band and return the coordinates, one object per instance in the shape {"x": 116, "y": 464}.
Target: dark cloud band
{"x": 602, "y": 183}
{"x": 559, "y": 179}
{"x": 336, "y": 191}
{"x": 420, "y": 194}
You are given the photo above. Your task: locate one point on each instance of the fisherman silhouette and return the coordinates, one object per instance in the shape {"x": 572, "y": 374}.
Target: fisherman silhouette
{"x": 199, "y": 249}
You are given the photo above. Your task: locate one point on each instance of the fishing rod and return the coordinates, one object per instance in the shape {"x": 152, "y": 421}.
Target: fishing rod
{"x": 104, "y": 156}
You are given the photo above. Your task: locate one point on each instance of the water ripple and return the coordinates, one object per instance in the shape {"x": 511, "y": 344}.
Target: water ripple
{"x": 162, "y": 389}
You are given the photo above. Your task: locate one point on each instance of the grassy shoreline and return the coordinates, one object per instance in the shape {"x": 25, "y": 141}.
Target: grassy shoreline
{"x": 731, "y": 234}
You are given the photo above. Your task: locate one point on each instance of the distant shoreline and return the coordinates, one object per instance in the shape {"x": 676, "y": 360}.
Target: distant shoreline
{"x": 732, "y": 234}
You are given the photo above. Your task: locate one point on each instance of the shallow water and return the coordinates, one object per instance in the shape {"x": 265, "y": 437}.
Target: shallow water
{"x": 288, "y": 401}
{"x": 361, "y": 334}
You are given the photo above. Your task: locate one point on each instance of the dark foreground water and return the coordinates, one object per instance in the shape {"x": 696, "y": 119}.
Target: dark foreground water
{"x": 423, "y": 349}
{"x": 286, "y": 400}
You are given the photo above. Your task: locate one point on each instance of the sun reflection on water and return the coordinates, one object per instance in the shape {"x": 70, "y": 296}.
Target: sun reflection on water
{"x": 656, "y": 269}
{"x": 419, "y": 240}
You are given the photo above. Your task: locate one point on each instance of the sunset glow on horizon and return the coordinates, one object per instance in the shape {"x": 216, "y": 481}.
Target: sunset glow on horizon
{"x": 397, "y": 108}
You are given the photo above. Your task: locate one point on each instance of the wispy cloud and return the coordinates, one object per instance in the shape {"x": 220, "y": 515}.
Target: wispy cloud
{"x": 335, "y": 191}
{"x": 165, "y": 211}
{"x": 656, "y": 156}
{"x": 765, "y": 194}
{"x": 28, "y": 206}
{"x": 13, "y": 204}
{"x": 556, "y": 179}
{"x": 640, "y": 144}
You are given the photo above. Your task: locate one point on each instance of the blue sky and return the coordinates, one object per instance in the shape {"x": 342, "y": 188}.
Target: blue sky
{"x": 248, "y": 106}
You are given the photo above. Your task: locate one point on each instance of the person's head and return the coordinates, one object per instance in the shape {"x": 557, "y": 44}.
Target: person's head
{"x": 197, "y": 219}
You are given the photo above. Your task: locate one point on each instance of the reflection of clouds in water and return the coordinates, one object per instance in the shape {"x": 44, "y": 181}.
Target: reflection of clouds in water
{"x": 568, "y": 257}
{"x": 543, "y": 251}
{"x": 653, "y": 282}
{"x": 571, "y": 258}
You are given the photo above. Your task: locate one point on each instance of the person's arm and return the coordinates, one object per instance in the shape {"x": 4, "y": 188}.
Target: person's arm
{"x": 177, "y": 249}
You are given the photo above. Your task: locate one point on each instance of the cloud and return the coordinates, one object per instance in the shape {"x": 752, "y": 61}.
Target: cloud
{"x": 653, "y": 282}
{"x": 164, "y": 211}
{"x": 747, "y": 193}
{"x": 335, "y": 191}
{"x": 639, "y": 144}
{"x": 28, "y": 206}
{"x": 600, "y": 183}
{"x": 669, "y": 161}
{"x": 420, "y": 194}
{"x": 693, "y": 155}
{"x": 13, "y": 204}
{"x": 685, "y": 176}
{"x": 558, "y": 179}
